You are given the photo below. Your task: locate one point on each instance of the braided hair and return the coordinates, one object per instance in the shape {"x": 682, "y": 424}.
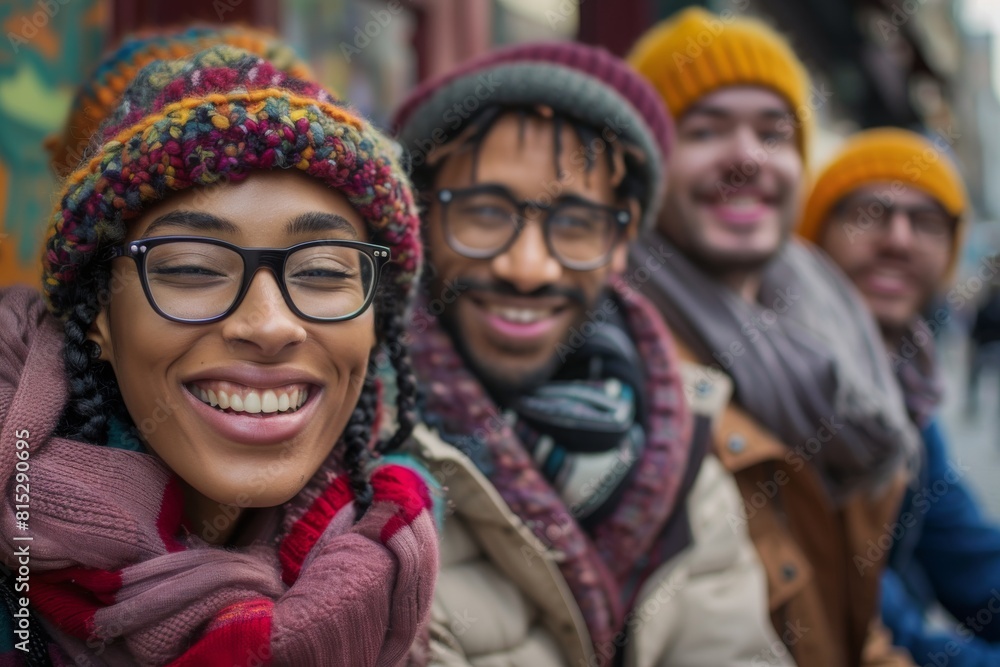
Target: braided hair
{"x": 95, "y": 397}
{"x": 390, "y": 319}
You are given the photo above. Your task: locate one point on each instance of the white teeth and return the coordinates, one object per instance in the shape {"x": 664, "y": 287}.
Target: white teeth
{"x": 521, "y": 315}
{"x": 744, "y": 201}
{"x": 251, "y": 403}
{"x": 269, "y": 402}
{"x": 254, "y": 401}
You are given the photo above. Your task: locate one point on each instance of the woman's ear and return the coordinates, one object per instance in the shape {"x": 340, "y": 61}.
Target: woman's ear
{"x": 100, "y": 333}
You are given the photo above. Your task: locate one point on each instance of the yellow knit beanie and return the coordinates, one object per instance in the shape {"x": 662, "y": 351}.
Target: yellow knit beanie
{"x": 885, "y": 155}
{"x": 696, "y": 52}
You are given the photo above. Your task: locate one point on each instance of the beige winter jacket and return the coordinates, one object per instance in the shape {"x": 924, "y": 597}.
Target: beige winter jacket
{"x": 501, "y": 599}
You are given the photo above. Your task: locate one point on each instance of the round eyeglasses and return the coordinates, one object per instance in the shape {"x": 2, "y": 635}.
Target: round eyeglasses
{"x": 198, "y": 280}
{"x": 484, "y": 221}
{"x": 929, "y": 224}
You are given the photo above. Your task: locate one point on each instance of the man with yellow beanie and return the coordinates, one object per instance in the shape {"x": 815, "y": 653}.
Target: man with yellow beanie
{"x": 816, "y": 432}
{"x": 889, "y": 209}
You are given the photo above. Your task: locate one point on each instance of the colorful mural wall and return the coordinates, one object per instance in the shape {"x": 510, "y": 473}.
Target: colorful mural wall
{"x": 46, "y": 48}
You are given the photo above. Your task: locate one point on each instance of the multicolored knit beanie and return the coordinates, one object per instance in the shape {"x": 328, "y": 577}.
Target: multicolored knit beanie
{"x": 213, "y": 117}
{"x": 97, "y": 98}
{"x": 891, "y": 156}
{"x": 695, "y": 52}
{"x": 580, "y": 81}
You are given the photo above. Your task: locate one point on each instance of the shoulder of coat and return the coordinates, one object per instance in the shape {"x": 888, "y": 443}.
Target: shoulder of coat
{"x": 706, "y": 389}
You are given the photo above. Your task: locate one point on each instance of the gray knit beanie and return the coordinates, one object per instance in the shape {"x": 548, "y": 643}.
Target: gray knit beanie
{"x": 584, "y": 82}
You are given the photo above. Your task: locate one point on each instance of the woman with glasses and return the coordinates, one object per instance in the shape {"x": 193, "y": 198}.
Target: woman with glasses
{"x": 187, "y": 433}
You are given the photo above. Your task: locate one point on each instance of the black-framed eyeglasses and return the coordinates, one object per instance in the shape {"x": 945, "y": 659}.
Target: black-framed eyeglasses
{"x": 197, "y": 280}
{"x": 484, "y": 221}
{"x": 930, "y": 223}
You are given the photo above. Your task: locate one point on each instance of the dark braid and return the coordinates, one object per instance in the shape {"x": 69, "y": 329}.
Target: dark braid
{"x": 357, "y": 438}
{"x": 406, "y": 381}
{"x": 390, "y": 312}
{"x": 93, "y": 392}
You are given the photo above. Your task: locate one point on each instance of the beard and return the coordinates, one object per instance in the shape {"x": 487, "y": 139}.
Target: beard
{"x": 715, "y": 262}
{"x": 505, "y": 386}
{"x": 681, "y": 226}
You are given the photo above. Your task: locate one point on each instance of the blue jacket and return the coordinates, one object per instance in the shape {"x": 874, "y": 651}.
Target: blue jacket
{"x": 945, "y": 551}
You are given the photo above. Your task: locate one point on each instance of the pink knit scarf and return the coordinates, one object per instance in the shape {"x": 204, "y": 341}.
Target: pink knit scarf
{"x": 116, "y": 580}
{"x": 596, "y": 566}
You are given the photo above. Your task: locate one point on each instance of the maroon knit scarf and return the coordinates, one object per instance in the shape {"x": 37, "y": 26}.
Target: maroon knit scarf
{"x": 116, "y": 580}
{"x": 914, "y": 361}
{"x": 595, "y": 566}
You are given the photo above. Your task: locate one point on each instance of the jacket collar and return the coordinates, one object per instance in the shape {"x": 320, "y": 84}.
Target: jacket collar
{"x": 740, "y": 442}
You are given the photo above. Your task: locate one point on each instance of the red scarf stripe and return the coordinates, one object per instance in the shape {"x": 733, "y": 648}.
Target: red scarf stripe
{"x": 305, "y": 532}
{"x": 404, "y": 488}
{"x": 240, "y": 634}
{"x": 70, "y": 597}
{"x": 168, "y": 523}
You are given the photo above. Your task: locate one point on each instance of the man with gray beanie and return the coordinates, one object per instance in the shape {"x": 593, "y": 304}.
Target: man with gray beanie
{"x": 589, "y": 524}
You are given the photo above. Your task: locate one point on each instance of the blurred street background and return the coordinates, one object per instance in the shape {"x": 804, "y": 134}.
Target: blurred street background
{"x": 973, "y": 436}
{"x": 929, "y": 65}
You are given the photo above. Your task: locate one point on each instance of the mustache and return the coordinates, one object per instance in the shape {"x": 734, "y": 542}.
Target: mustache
{"x": 770, "y": 189}
{"x": 503, "y": 288}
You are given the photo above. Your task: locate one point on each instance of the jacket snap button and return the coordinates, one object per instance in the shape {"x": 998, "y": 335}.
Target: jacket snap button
{"x": 736, "y": 443}
{"x": 788, "y": 571}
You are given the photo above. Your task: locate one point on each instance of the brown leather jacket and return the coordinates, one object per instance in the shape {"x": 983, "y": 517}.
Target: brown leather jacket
{"x": 823, "y": 564}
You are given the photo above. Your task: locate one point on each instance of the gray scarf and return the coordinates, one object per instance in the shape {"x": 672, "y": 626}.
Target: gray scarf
{"x": 806, "y": 359}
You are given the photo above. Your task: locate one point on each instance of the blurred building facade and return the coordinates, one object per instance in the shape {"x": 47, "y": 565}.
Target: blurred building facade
{"x": 884, "y": 62}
